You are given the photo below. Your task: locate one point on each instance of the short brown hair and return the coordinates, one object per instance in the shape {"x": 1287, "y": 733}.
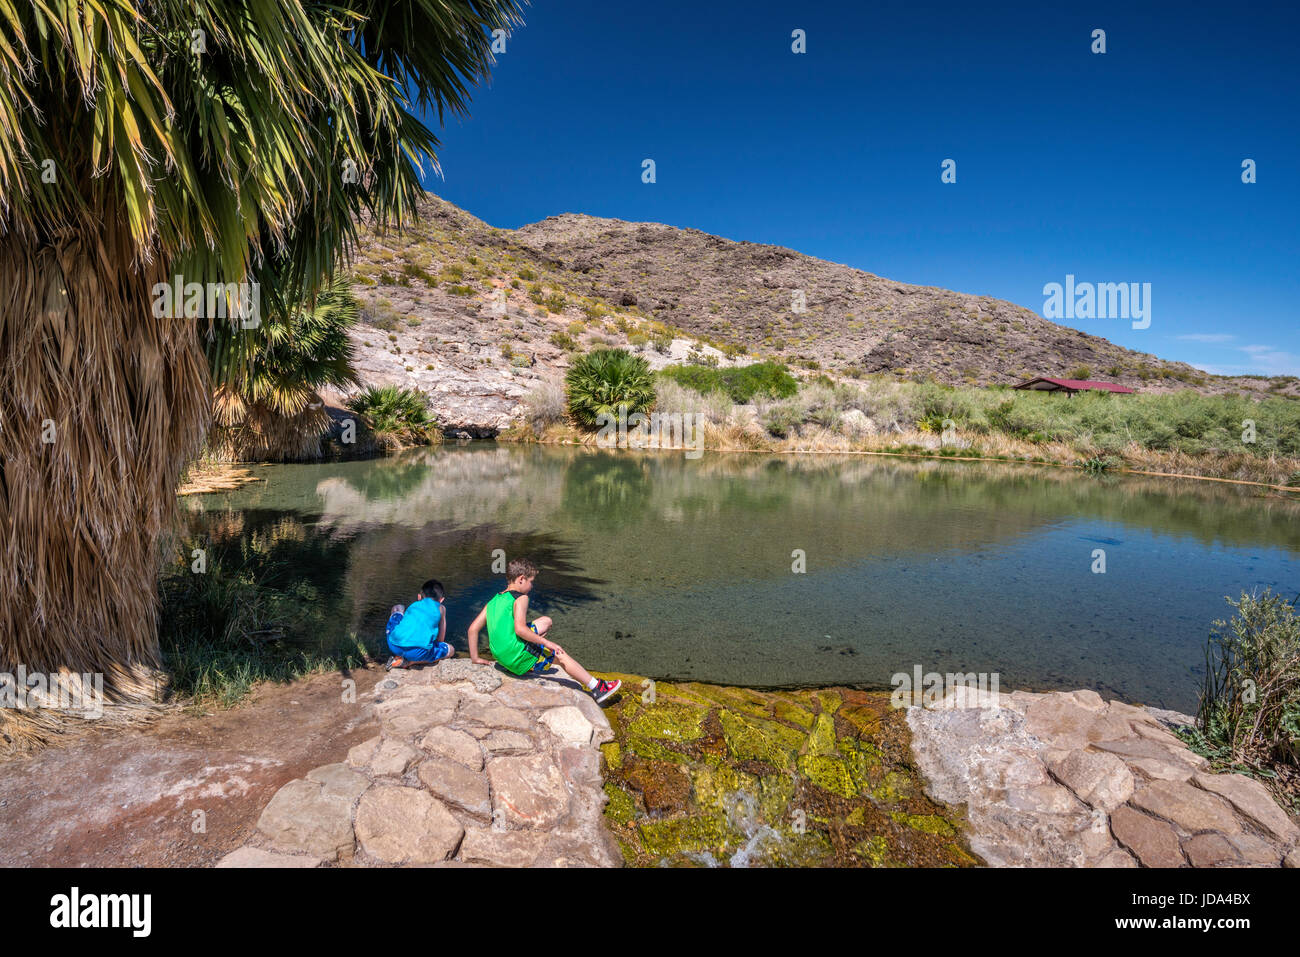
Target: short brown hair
{"x": 520, "y": 568}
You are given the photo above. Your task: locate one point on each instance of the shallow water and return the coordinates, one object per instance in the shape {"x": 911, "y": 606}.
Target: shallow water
{"x": 655, "y": 564}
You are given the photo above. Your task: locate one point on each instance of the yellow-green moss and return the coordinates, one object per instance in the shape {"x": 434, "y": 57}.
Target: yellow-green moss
{"x": 828, "y": 773}
{"x": 670, "y": 722}
{"x": 621, "y": 808}
{"x": 747, "y": 742}
{"x": 613, "y": 755}
{"x": 666, "y": 838}
{"x": 822, "y": 738}
{"x": 929, "y": 823}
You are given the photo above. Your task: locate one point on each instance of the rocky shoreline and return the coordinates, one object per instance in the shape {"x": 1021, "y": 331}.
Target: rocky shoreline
{"x": 1068, "y": 780}
{"x": 476, "y": 768}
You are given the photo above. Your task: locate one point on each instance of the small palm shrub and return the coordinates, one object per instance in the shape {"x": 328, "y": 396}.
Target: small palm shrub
{"x": 396, "y": 416}
{"x": 602, "y": 380}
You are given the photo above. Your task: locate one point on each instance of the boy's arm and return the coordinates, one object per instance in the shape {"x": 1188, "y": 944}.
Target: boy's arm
{"x": 475, "y": 627}
{"x": 442, "y": 625}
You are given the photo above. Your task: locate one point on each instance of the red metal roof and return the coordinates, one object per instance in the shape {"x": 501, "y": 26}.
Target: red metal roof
{"x": 1078, "y": 385}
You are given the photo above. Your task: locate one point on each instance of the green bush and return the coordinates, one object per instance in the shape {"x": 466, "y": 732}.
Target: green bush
{"x": 562, "y": 340}
{"x": 741, "y": 383}
{"x": 1250, "y": 704}
{"x": 601, "y": 381}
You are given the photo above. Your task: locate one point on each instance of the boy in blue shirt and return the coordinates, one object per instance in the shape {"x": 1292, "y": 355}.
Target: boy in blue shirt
{"x": 418, "y": 633}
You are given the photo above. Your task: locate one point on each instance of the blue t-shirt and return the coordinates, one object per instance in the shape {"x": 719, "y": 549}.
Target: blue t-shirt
{"x": 419, "y": 626}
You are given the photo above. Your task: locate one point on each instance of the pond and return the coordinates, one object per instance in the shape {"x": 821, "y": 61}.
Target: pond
{"x": 787, "y": 570}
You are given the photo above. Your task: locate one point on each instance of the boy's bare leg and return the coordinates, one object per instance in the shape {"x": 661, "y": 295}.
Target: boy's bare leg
{"x": 562, "y": 658}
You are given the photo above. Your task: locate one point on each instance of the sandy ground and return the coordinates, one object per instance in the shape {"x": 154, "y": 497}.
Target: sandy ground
{"x": 130, "y": 799}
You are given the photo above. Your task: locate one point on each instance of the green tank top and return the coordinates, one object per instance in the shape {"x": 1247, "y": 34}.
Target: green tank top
{"x": 506, "y": 647}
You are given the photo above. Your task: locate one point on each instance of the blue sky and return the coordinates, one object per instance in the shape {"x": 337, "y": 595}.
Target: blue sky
{"x": 1115, "y": 167}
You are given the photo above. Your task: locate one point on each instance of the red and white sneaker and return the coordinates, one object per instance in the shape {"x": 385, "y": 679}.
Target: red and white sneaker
{"x": 604, "y": 689}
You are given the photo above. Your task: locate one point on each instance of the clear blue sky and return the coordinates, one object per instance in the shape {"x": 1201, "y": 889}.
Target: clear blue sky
{"x": 1119, "y": 167}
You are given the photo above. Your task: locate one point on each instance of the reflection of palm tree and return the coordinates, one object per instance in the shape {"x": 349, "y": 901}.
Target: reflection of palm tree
{"x": 600, "y": 488}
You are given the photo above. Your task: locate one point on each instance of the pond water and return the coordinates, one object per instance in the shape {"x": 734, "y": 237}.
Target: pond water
{"x": 684, "y": 569}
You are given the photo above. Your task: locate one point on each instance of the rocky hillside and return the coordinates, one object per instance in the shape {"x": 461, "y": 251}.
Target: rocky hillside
{"x": 477, "y": 316}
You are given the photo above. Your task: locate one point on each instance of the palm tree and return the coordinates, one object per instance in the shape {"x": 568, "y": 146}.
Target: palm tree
{"x": 272, "y": 409}
{"x": 218, "y": 141}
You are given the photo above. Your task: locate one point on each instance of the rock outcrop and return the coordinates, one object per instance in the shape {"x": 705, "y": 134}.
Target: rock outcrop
{"x": 1070, "y": 780}
{"x": 470, "y": 766}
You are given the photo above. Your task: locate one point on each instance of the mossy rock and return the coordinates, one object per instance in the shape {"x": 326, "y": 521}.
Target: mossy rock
{"x": 928, "y": 823}
{"x": 863, "y": 718}
{"x": 743, "y": 700}
{"x": 829, "y": 774}
{"x": 613, "y": 753}
{"x": 822, "y": 738}
{"x": 788, "y": 710}
{"x": 830, "y": 701}
{"x": 857, "y": 817}
{"x": 666, "y": 838}
{"x": 712, "y": 785}
{"x": 621, "y": 808}
{"x": 874, "y": 852}
{"x": 669, "y": 722}
{"x": 896, "y": 787}
{"x": 747, "y": 742}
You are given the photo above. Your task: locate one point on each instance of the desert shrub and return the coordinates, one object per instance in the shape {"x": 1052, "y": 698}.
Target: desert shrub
{"x": 562, "y": 340}
{"x": 545, "y": 405}
{"x": 1250, "y": 703}
{"x": 601, "y": 381}
{"x": 740, "y": 383}
{"x": 782, "y": 418}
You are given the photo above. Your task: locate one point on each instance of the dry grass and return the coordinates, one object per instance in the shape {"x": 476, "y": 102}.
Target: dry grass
{"x": 245, "y": 432}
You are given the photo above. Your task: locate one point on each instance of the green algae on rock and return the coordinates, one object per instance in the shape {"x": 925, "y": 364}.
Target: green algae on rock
{"x": 703, "y": 775}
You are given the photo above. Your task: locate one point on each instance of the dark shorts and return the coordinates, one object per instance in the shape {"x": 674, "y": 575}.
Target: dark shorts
{"x": 544, "y": 656}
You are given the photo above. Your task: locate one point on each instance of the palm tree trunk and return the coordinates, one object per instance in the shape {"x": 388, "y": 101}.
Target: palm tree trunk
{"x": 101, "y": 407}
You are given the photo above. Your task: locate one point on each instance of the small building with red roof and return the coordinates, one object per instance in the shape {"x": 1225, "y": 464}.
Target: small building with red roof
{"x": 1071, "y": 386}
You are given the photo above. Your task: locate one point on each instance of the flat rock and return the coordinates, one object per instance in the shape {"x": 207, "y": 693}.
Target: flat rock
{"x": 457, "y": 745}
{"x": 1101, "y": 779}
{"x": 339, "y": 780}
{"x": 493, "y": 715}
{"x": 1252, "y": 800}
{"x": 1210, "y": 850}
{"x": 1154, "y": 759}
{"x": 484, "y": 678}
{"x": 1153, "y": 842}
{"x": 1255, "y": 851}
{"x": 454, "y": 784}
{"x": 568, "y": 724}
{"x": 1188, "y": 807}
{"x": 408, "y": 724}
{"x": 506, "y": 742}
{"x": 1059, "y": 721}
{"x": 393, "y": 758}
{"x": 303, "y": 817}
{"x": 499, "y": 848}
{"x": 259, "y": 857}
{"x": 399, "y": 825}
{"x": 532, "y": 693}
{"x": 527, "y": 792}
{"x": 359, "y": 755}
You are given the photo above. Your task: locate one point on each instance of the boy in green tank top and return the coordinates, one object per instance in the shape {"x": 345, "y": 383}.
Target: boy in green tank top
{"x": 520, "y": 647}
